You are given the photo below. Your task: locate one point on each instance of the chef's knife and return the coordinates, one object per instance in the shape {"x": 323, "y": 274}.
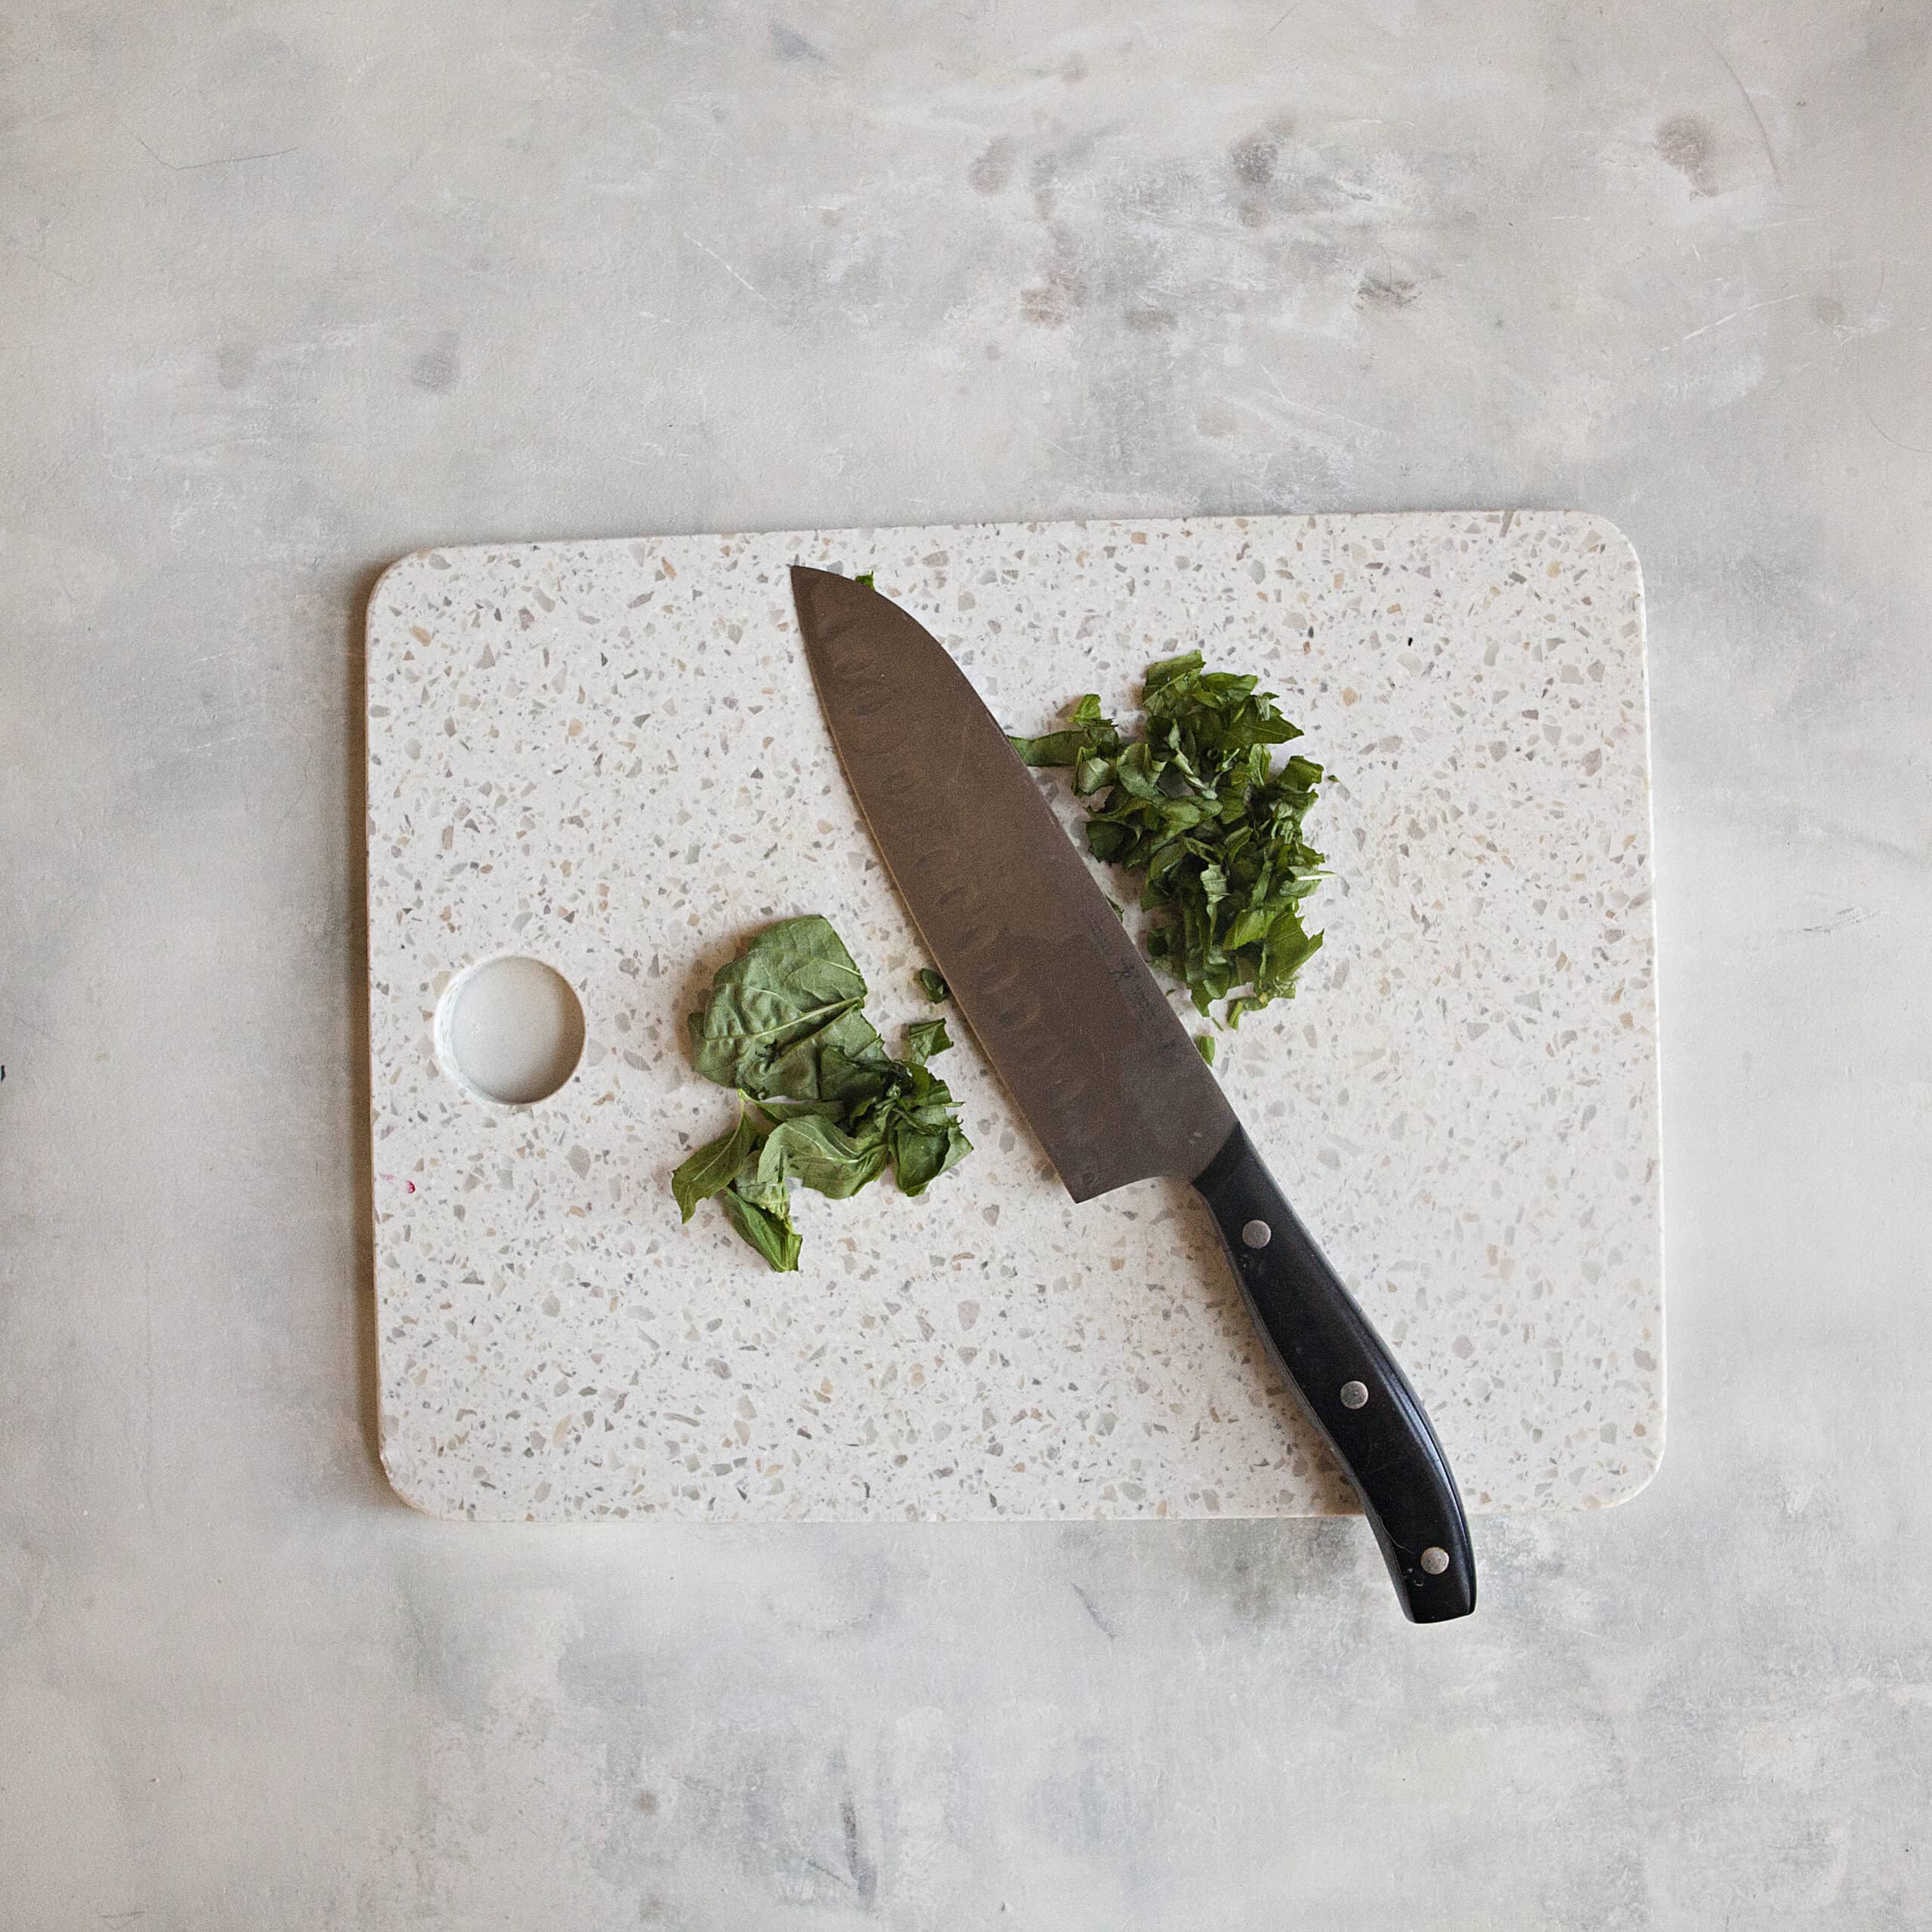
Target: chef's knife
{"x": 1108, "y": 1079}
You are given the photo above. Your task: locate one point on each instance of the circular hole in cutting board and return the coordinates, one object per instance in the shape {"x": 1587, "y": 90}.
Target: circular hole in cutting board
{"x": 511, "y": 1030}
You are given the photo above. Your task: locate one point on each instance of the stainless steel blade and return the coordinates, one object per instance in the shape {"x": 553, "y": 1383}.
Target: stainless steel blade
{"x": 1049, "y": 981}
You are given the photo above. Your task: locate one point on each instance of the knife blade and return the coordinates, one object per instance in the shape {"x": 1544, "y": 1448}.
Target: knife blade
{"x": 1079, "y": 1031}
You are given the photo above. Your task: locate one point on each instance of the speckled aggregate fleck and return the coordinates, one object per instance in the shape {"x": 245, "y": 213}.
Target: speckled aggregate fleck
{"x": 608, "y": 755}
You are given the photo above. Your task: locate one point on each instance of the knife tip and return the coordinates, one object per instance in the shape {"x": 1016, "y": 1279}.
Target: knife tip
{"x": 810, "y": 585}
{"x": 824, "y": 599}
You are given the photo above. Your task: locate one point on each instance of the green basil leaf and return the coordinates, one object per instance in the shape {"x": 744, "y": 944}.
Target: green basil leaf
{"x": 923, "y": 1038}
{"x": 1165, "y": 670}
{"x": 769, "y": 1113}
{"x": 761, "y": 1028}
{"x": 933, "y": 984}
{"x": 818, "y": 1154}
{"x": 772, "y": 1234}
{"x": 1090, "y": 772}
{"x": 921, "y": 1155}
{"x": 1086, "y": 734}
{"x": 1248, "y": 926}
{"x": 712, "y": 1169}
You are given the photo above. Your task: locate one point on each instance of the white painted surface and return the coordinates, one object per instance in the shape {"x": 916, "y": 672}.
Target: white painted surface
{"x": 288, "y": 292}
{"x": 612, "y": 753}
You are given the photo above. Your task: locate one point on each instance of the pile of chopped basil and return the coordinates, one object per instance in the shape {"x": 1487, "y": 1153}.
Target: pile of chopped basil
{"x": 820, "y": 1101}
{"x": 1199, "y": 807}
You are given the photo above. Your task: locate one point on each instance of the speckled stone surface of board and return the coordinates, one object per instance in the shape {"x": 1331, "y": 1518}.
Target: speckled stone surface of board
{"x": 608, "y": 755}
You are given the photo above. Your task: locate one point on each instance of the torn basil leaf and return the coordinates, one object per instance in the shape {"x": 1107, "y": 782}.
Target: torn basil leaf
{"x": 1086, "y": 738}
{"x": 821, "y": 1103}
{"x": 933, "y": 984}
{"x": 772, "y": 1234}
{"x": 1198, "y": 807}
{"x": 923, "y": 1038}
{"x": 713, "y": 1168}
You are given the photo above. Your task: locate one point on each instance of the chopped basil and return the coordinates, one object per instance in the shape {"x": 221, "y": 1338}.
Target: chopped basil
{"x": 1199, "y": 809}
{"x": 821, "y": 1101}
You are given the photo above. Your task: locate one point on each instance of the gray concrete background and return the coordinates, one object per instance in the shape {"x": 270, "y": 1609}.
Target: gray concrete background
{"x": 288, "y": 290}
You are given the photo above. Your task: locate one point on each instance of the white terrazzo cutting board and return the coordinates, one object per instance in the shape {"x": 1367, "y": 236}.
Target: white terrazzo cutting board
{"x": 607, "y": 756}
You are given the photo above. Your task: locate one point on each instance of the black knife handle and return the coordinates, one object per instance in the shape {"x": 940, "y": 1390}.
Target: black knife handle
{"x": 1350, "y": 1384}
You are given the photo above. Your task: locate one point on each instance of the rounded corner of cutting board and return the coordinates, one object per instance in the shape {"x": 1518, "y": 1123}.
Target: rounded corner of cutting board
{"x": 393, "y": 577}
{"x": 1615, "y": 537}
{"x": 1641, "y": 1478}
{"x": 395, "y": 582}
{"x": 403, "y": 1474}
